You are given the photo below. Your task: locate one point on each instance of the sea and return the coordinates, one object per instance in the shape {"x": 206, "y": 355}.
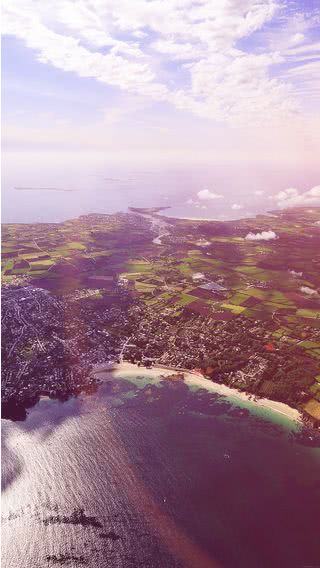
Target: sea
{"x": 156, "y": 472}
{"x": 52, "y": 187}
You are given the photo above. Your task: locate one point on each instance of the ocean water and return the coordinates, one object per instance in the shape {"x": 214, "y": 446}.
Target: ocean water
{"x": 52, "y": 187}
{"x": 149, "y": 472}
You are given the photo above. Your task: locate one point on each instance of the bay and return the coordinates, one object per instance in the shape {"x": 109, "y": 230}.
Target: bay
{"x": 154, "y": 472}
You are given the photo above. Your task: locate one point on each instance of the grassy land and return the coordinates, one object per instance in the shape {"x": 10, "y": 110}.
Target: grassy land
{"x": 262, "y": 280}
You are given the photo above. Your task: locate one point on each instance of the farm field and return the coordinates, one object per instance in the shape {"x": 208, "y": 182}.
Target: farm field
{"x": 204, "y": 269}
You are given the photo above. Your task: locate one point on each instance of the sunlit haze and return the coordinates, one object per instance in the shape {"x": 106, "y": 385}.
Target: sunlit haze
{"x": 160, "y": 274}
{"x": 213, "y": 96}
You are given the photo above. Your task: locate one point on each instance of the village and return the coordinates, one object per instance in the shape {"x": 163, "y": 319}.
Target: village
{"x": 104, "y": 288}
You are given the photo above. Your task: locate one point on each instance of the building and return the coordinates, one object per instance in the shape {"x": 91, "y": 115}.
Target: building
{"x": 213, "y": 287}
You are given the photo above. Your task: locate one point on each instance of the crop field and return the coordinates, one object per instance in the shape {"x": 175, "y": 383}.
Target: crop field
{"x": 276, "y": 282}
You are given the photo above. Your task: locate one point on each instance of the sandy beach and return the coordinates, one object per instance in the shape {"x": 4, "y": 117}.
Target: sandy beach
{"x": 197, "y": 379}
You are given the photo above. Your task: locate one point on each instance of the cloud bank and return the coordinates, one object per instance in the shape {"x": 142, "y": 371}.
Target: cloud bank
{"x": 291, "y": 197}
{"x": 203, "y": 57}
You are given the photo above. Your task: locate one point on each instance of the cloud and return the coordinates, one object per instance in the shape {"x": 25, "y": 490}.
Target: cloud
{"x": 206, "y": 194}
{"x": 175, "y": 50}
{"x": 296, "y": 38}
{"x": 124, "y": 65}
{"x": 295, "y": 273}
{"x": 312, "y": 48}
{"x": 263, "y": 236}
{"x": 236, "y": 206}
{"x": 196, "y": 204}
{"x": 291, "y": 197}
{"x": 309, "y": 291}
{"x": 259, "y": 192}
{"x": 217, "y": 72}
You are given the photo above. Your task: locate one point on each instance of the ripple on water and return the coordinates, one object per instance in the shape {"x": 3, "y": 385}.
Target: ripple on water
{"x": 146, "y": 468}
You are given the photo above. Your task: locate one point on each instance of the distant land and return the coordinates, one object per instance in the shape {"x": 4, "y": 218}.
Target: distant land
{"x": 41, "y": 189}
{"x": 148, "y": 210}
{"x": 237, "y": 300}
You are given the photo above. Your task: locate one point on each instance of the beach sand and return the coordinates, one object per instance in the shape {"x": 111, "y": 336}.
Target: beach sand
{"x": 193, "y": 378}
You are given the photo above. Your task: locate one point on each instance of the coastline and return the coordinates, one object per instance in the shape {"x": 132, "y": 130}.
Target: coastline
{"x": 195, "y": 378}
{"x": 184, "y": 218}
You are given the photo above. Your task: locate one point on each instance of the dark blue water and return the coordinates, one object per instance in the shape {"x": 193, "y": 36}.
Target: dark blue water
{"x": 151, "y": 473}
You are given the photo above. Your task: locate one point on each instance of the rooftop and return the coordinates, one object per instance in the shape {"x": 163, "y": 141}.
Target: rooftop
{"x": 213, "y": 286}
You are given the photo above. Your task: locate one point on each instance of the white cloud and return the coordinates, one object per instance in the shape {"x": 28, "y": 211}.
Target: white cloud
{"x": 296, "y": 38}
{"x": 176, "y": 50}
{"x": 129, "y": 71}
{"x": 223, "y": 82}
{"x": 294, "y": 273}
{"x": 235, "y": 87}
{"x": 259, "y": 192}
{"x": 236, "y": 206}
{"x": 309, "y": 291}
{"x": 291, "y": 197}
{"x": 196, "y": 204}
{"x": 313, "y": 48}
{"x": 139, "y": 34}
{"x": 206, "y": 194}
{"x": 263, "y": 236}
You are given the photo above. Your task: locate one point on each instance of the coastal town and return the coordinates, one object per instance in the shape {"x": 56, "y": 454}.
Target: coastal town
{"x": 152, "y": 290}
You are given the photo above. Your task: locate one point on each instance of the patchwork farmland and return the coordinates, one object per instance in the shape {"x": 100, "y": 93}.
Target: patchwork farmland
{"x": 208, "y": 273}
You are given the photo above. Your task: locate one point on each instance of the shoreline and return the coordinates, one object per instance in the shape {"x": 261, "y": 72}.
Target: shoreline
{"x": 197, "y": 379}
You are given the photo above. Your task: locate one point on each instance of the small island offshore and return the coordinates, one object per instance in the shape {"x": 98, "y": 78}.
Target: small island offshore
{"x": 237, "y": 302}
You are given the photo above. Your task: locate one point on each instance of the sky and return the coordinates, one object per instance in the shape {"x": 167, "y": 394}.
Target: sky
{"x": 224, "y": 91}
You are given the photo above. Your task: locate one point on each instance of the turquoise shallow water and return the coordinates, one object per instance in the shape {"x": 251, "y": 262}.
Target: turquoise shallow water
{"x": 150, "y": 472}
